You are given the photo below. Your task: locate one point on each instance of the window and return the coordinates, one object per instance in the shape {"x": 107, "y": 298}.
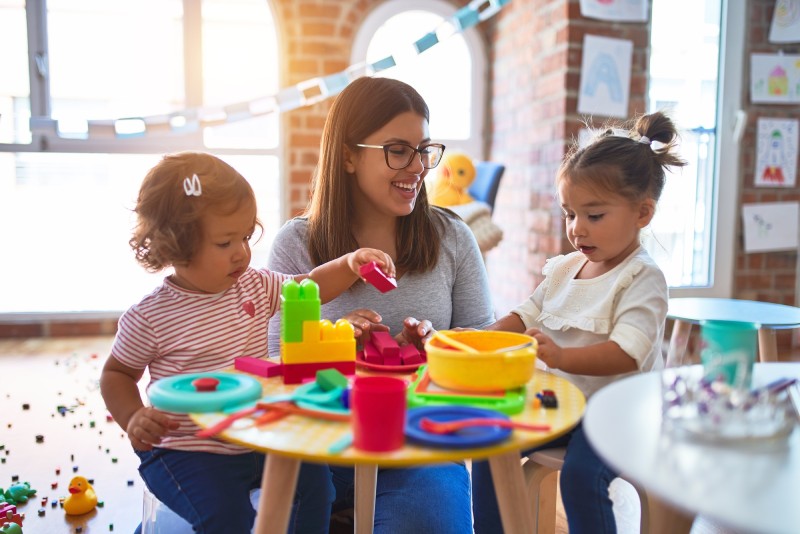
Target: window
{"x": 66, "y": 191}
{"x": 692, "y": 78}
{"x": 450, "y": 75}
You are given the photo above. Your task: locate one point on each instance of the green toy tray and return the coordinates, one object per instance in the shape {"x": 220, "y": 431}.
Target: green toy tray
{"x": 424, "y": 392}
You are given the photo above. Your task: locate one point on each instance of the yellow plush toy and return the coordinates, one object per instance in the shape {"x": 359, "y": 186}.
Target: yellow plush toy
{"x": 454, "y": 175}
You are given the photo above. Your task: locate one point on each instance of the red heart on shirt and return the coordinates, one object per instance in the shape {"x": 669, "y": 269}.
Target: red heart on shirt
{"x": 249, "y": 308}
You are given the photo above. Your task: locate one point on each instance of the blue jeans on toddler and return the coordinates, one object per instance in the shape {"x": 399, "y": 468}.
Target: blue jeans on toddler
{"x": 212, "y": 491}
{"x": 584, "y": 489}
{"x": 418, "y": 500}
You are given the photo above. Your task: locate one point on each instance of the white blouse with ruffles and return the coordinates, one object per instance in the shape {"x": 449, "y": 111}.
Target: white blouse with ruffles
{"x": 627, "y": 305}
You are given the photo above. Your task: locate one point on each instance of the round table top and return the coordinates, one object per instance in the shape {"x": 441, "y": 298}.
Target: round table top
{"x": 766, "y": 314}
{"x": 747, "y": 485}
{"x": 309, "y": 439}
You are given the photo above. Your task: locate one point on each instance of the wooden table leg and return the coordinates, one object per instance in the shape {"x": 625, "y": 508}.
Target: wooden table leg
{"x": 509, "y": 485}
{"x": 277, "y": 494}
{"x": 678, "y": 341}
{"x": 366, "y": 478}
{"x": 767, "y": 345}
{"x": 665, "y": 519}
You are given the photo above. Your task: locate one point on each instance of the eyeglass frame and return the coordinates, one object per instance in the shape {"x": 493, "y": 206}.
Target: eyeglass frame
{"x": 418, "y": 151}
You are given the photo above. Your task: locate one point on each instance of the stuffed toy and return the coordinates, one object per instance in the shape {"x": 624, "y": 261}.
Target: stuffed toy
{"x": 454, "y": 175}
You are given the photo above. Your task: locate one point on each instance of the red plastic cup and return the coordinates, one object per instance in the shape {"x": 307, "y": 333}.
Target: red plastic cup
{"x": 378, "y": 404}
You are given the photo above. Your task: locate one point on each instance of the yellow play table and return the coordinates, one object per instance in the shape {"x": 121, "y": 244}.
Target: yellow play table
{"x": 293, "y": 439}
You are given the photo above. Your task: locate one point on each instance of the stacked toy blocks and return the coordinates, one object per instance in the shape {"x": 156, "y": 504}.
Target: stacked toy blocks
{"x": 382, "y": 349}
{"x": 309, "y": 344}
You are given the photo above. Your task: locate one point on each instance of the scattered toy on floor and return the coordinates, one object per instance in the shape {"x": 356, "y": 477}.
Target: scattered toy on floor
{"x": 82, "y": 498}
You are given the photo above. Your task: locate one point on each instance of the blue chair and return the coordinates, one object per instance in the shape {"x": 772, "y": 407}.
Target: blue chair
{"x": 487, "y": 181}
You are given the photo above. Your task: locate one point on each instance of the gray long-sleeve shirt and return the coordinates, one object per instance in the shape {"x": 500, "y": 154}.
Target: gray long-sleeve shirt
{"x": 455, "y": 293}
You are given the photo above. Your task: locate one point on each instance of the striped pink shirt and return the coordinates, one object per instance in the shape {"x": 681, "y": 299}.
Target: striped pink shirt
{"x": 175, "y": 331}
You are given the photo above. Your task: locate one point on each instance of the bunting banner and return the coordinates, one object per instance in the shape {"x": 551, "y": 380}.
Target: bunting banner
{"x": 303, "y": 94}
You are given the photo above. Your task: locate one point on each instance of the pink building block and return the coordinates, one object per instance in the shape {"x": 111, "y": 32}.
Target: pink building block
{"x": 386, "y": 345}
{"x": 373, "y": 274}
{"x": 372, "y": 354}
{"x": 409, "y": 355}
{"x": 257, "y": 366}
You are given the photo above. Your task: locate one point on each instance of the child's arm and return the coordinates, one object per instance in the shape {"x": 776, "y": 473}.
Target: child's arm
{"x": 336, "y": 276}
{"x": 510, "y": 323}
{"x": 600, "y": 359}
{"x": 145, "y": 426}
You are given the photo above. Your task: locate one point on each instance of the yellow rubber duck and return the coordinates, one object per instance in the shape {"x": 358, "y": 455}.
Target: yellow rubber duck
{"x": 82, "y": 498}
{"x": 450, "y": 186}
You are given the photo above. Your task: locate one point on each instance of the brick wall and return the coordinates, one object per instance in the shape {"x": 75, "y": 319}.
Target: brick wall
{"x": 767, "y": 276}
{"x": 536, "y": 58}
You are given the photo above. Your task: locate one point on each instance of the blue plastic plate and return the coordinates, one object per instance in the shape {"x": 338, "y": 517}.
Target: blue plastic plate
{"x": 177, "y": 394}
{"x": 476, "y": 436}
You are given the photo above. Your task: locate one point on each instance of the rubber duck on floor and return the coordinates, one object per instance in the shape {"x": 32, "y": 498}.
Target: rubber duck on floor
{"x": 82, "y": 498}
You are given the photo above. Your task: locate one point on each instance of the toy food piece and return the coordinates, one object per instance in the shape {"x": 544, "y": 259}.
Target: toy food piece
{"x": 373, "y": 274}
{"x": 180, "y": 393}
{"x": 82, "y": 498}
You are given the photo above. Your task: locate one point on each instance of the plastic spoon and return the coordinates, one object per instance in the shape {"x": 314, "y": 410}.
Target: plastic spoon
{"x": 448, "y": 427}
{"x": 447, "y": 340}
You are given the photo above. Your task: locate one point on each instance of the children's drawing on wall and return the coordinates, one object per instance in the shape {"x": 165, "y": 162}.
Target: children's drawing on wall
{"x": 605, "y": 76}
{"x": 775, "y": 78}
{"x": 770, "y": 226}
{"x": 785, "y": 27}
{"x": 619, "y": 10}
{"x": 776, "y": 152}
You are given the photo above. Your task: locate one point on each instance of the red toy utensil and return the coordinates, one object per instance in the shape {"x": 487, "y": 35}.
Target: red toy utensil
{"x": 448, "y": 427}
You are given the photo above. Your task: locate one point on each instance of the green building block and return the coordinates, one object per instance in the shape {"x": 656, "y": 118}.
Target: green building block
{"x": 327, "y": 379}
{"x": 299, "y": 303}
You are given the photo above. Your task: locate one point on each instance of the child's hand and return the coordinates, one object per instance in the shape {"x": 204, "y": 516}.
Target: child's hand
{"x": 147, "y": 427}
{"x": 415, "y": 332}
{"x": 548, "y": 352}
{"x": 363, "y": 256}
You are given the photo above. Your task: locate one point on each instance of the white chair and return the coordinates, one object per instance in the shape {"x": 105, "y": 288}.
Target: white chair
{"x": 158, "y": 518}
{"x": 542, "y": 489}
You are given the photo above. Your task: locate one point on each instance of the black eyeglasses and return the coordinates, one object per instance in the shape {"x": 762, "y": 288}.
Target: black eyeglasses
{"x": 400, "y": 155}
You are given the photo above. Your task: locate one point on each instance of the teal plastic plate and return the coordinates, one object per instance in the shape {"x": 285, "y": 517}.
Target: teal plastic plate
{"x": 177, "y": 394}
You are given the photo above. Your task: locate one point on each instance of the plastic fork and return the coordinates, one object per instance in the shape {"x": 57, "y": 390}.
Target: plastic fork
{"x": 448, "y": 427}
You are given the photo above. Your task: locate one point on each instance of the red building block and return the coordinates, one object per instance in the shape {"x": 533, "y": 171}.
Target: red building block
{"x": 373, "y": 274}
{"x": 386, "y": 345}
{"x": 257, "y": 366}
{"x": 295, "y": 373}
{"x": 409, "y": 355}
{"x": 372, "y": 354}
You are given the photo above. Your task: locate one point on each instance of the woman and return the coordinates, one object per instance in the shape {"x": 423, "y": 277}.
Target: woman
{"x": 369, "y": 191}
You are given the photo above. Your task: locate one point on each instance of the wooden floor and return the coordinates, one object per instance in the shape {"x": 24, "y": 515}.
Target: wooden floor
{"x": 45, "y": 373}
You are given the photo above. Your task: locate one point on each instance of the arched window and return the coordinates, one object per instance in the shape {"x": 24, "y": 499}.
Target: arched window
{"x": 66, "y": 191}
{"x": 451, "y": 75}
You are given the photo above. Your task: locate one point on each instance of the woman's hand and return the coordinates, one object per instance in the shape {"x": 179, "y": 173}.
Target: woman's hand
{"x": 548, "y": 352}
{"x": 363, "y": 256}
{"x": 147, "y": 427}
{"x": 365, "y": 321}
{"x": 415, "y": 332}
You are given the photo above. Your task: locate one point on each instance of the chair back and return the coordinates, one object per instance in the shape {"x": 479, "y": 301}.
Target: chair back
{"x": 487, "y": 181}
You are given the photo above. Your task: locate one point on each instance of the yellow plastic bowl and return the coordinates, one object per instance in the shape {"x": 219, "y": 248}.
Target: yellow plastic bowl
{"x": 489, "y": 369}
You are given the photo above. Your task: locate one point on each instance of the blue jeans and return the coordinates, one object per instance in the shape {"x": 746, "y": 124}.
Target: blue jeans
{"x": 212, "y": 491}
{"x": 584, "y": 489}
{"x": 417, "y": 500}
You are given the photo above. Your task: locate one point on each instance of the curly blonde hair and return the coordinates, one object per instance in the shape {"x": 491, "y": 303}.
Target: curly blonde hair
{"x": 169, "y": 220}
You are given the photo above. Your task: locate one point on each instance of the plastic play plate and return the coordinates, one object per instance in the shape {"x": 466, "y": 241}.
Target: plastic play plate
{"x": 477, "y": 436}
{"x": 179, "y": 394}
{"x": 361, "y": 362}
{"x": 312, "y": 397}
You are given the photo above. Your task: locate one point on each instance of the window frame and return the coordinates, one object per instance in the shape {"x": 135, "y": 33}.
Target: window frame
{"x": 730, "y": 124}
{"x": 476, "y": 143}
